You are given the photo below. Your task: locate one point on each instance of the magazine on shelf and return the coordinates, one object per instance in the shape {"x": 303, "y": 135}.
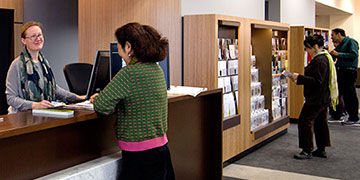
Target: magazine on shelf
{"x": 53, "y": 112}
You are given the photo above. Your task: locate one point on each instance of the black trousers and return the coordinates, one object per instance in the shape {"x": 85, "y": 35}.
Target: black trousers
{"x": 313, "y": 119}
{"x": 347, "y": 90}
{"x": 153, "y": 164}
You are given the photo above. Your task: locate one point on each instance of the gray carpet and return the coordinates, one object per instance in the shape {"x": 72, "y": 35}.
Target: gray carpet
{"x": 343, "y": 160}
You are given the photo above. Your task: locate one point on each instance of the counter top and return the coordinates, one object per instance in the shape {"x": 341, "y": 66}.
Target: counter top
{"x": 24, "y": 122}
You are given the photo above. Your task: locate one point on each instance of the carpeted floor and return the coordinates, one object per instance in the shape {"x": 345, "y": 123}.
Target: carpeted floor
{"x": 343, "y": 160}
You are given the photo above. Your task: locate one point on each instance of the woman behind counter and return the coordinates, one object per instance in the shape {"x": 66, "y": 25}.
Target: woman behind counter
{"x": 30, "y": 83}
{"x": 320, "y": 90}
{"x": 138, "y": 95}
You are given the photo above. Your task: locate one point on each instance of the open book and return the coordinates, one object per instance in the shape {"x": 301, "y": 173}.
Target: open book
{"x": 185, "y": 90}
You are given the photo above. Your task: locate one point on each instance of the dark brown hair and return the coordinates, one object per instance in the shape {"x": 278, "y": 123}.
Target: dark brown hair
{"x": 146, "y": 42}
{"x": 27, "y": 26}
{"x": 311, "y": 40}
{"x": 338, "y": 30}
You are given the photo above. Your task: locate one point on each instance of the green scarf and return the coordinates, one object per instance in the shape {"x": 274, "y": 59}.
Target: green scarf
{"x": 133, "y": 60}
{"x": 31, "y": 86}
{"x": 333, "y": 86}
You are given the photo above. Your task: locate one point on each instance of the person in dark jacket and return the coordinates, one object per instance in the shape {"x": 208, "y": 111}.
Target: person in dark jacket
{"x": 346, "y": 53}
{"x": 313, "y": 116}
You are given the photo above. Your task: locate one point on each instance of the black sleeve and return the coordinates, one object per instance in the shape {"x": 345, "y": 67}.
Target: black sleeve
{"x": 315, "y": 73}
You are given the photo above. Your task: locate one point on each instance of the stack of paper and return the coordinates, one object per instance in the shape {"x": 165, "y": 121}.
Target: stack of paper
{"x": 81, "y": 105}
{"x": 53, "y": 112}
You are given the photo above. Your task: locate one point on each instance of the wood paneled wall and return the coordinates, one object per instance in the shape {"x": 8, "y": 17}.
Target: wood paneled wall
{"x": 18, "y": 6}
{"x": 98, "y": 21}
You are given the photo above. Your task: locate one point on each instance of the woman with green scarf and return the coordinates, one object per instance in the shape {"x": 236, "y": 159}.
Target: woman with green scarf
{"x": 320, "y": 91}
{"x": 30, "y": 82}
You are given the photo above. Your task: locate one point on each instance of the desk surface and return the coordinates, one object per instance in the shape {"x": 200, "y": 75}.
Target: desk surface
{"x": 24, "y": 122}
{"x": 37, "y": 145}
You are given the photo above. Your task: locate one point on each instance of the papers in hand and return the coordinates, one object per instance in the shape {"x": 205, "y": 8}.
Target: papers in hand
{"x": 57, "y": 104}
{"x": 185, "y": 90}
{"x": 287, "y": 74}
{"x": 81, "y": 105}
{"x": 53, "y": 113}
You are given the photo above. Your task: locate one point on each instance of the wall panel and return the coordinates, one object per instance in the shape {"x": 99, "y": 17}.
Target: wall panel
{"x": 17, "y": 5}
{"x": 98, "y": 21}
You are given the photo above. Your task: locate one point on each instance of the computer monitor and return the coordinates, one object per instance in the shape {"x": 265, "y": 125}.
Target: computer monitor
{"x": 100, "y": 74}
{"x": 164, "y": 64}
{"x": 116, "y": 61}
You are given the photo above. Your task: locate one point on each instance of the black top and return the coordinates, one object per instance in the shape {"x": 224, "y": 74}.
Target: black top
{"x": 316, "y": 81}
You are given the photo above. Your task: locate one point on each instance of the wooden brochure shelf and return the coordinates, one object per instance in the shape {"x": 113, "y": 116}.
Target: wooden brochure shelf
{"x": 203, "y": 62}
{"x": 231, "y": 121}
{"x": 266, "y": 129}
{"x": 298, "y": 62}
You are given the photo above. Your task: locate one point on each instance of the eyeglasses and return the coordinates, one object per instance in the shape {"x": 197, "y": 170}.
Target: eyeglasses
{"x": 34, "y": 37}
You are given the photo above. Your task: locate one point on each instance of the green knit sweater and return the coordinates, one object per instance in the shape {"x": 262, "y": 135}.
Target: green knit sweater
{"x": 138, "y": 95}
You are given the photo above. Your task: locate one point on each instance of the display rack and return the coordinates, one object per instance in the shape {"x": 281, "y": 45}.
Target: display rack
{"x": 203, "y": 37}
{"x": 211, "y": 49}
{"x": 269, "y": 44}
{"x": 299, "y": 60}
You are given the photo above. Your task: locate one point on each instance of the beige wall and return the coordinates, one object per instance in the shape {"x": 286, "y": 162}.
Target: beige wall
{"x": 350, "y": 23}
{"x": 356, "y": 33}
{"x": 344, "y": 5}
{"x": 322, "y": 21}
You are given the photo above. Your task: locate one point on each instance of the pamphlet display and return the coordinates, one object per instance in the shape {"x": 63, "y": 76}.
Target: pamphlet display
{"x": 228, "y": 75}
{"x": 279, "y": 73}
{"x": 259, "y": 115}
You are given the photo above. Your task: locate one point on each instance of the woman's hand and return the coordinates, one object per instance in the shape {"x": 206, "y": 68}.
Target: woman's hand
{"x": 81, "y": 97}
{"x": 335, "y": 53}
{"x": 41, "y": 104}
{"x": 93, "y": 97}
{"x": 295, "y": 76}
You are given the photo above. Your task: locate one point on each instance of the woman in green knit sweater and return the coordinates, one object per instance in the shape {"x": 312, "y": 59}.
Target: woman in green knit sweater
{"x": 137, "y": 94}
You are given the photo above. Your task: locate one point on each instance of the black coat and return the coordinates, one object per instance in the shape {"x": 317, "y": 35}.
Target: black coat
{"x": 316, "y": 81}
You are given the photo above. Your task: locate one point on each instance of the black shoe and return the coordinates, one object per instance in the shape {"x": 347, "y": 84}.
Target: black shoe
{"x": 319, "y": 153}
{"x": 303, "y": 155}
{"x": 336, "y": 119}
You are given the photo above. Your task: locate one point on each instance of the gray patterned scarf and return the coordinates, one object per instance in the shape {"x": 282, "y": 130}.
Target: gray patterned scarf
{"x": 32, "y": 88}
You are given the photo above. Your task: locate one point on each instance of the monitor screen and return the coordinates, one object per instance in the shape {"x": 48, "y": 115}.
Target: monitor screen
{"x": 164, "y": 64}
{"x": 116, "y": 61}
{"x": 100, "y": 74}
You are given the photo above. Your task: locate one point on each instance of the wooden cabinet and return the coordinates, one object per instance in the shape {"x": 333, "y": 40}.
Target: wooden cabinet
{"x": 299, "y": 60}
{"x": 202, "y": 41}
{"x": 269, "y": 45}
{"x": 203, "y": 35}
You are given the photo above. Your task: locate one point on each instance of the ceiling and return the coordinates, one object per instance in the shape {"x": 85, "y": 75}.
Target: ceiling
{"x": 324, "y": 10}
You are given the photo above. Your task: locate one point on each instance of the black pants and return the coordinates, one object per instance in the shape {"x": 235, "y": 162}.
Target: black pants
{"x": 347, "y": 90}
{"x": 313, "y": 119}
{"x": 153, "y": 164}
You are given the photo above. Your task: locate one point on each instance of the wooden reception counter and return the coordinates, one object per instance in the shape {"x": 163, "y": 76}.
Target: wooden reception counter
{"x": 34, "y": 146}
